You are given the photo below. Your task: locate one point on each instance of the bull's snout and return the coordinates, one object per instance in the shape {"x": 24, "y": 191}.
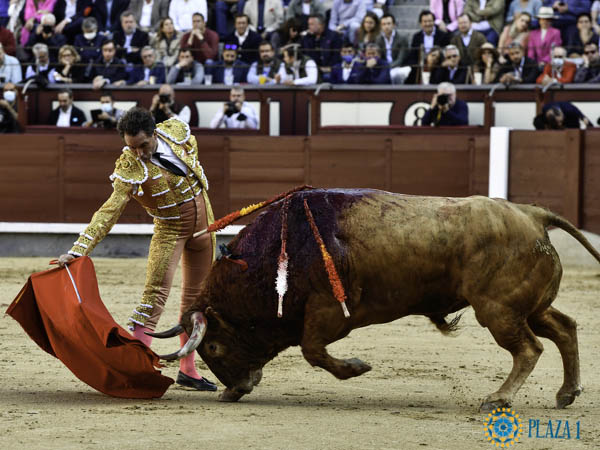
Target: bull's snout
{"x": 233, "y": 394}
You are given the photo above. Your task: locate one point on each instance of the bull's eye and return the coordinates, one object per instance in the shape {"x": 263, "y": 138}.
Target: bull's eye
{"x": 214, "y": 349}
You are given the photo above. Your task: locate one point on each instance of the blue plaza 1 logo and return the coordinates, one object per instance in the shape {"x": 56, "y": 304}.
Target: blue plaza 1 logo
{"x": 503, "y": 427}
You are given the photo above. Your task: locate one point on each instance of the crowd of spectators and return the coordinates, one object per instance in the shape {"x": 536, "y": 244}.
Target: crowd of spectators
{"x": 149, "y": 42}
{"x": 165, "y": 43}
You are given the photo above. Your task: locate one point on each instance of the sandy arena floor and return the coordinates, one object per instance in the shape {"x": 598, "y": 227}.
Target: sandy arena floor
{"x": 423, "y": 392}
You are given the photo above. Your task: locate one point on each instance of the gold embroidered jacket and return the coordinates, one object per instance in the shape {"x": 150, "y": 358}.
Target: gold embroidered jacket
{"x": 159, "y": 191}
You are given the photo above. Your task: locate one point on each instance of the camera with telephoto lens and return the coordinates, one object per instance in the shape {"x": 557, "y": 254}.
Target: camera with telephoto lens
{"x": 47, "y": 29}
{"x": 164, "y": 98}
{"x": 442, "y": 99}
{"x": 231, "y": 109}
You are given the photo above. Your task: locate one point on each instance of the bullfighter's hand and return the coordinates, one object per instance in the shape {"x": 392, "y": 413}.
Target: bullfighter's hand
{"x": 65, "y": 259}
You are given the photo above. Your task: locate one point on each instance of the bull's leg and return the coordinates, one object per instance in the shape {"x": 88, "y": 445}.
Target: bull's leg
{"x": 562, "y": 330}
{"x": 516, "y": 337}
{"x": 325, "y": 323}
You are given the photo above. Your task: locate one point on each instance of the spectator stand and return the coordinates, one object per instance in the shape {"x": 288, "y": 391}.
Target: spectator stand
{"x": 299, "y": 111}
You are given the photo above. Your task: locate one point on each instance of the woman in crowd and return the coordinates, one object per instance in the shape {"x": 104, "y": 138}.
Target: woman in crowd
{"x": 421, "y": 75}
{"x": 289, "y": 33}
{"x": 517, "y": 31}
{"x": 166, "y": 42}
{"x": 368, "y": 32}
{"x": 69, "y": 69}
{"x": 578, "y": 37}
{"x": 529, "y": 6}
{"x": 487, "y": 64}
{"x": 446, "y": 13}
{"x": 542, "y": 40}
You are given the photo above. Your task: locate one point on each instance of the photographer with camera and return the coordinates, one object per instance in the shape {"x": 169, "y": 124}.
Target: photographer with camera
{"x": 236, "y": 113}
{"x": 446, "y": 109}
{"x": 164, "y": 107}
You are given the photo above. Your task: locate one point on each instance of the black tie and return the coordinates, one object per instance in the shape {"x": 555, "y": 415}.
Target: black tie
{"x": 168, "y": 165}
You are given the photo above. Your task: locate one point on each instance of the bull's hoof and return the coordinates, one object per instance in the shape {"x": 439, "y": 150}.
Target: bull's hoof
{"x": 354, "y": 367}
{"x": 230, "y": 395}
{"x": 564, "y": 399}
{"x": 489, "y": 406}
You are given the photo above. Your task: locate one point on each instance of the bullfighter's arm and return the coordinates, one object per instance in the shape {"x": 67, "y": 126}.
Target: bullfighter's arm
{"x": 103, "y": 219}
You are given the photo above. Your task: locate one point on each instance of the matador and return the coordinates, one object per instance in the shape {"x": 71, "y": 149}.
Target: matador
{"x": 159, "y": 168}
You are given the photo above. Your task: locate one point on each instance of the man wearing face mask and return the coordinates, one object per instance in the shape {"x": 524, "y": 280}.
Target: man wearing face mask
{"x": 558, "y": 70}
{"x": 44, "y": 34}
{"x": 164, "y": 107}
{"x": 159, "y": 168}
{"x": 8, "y": 109}
{"x": 264, "y": 70}
{"x": 351, "y": 70}
{"x": 89, "y": 42}
{"x": 107, "y": 116}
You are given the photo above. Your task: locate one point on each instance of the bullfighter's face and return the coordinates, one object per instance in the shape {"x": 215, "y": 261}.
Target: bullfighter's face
{"x": 143, "y": 145}
{"x": 232, "y": 355}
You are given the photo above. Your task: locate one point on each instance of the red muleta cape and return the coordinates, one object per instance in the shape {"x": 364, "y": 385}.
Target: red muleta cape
{"x": 83, "y": 335}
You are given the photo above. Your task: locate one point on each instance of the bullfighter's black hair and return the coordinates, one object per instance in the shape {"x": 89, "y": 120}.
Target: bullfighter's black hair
{"x": 136, "y": 120}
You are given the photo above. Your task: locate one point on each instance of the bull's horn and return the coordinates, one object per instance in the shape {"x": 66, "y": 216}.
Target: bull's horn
{"x": 193, "y": 342}
{"x": 175, "y": 331}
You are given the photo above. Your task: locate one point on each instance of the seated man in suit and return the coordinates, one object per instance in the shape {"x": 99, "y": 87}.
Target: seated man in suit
{"x": 446, "y": 109}
{"x": 377, "y": 70}
{"x": 322, "y": 45}
{"x": 351, "y": 70}
{"x": 150, "y": 72}
{"x": 467, "y": 40}
{"x": 451, "y": 70}
{"x": 518, "y": 68}
{"x": 424, "y": 40}
{"x": 67, "y": 114}
{"x": 230, "y": 70}
{"x": 245, "y": 40}
{"x": 394, "y": 48}
{"x": 130, "y": 39}
{"x": 108, "y": 69}
{"x": 487, "y": 17}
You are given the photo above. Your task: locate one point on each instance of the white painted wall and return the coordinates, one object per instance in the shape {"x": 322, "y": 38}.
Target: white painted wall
{"x": 349, "y": 114}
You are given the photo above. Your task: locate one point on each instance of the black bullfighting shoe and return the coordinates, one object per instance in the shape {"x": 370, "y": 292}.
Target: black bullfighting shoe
{"x": 201, "y": 384}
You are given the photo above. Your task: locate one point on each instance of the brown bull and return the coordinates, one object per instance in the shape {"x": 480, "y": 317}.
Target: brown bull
{"x": 396, "y": 255}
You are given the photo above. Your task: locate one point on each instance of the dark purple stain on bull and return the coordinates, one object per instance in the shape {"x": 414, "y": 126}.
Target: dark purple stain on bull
{"x": 252, "y": 293}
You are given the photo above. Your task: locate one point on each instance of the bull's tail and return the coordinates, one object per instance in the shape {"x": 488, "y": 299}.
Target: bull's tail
{"x": 551, "y": 219}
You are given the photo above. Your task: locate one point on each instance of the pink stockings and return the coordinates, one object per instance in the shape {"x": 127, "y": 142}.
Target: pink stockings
{"x": 186, "y": 365}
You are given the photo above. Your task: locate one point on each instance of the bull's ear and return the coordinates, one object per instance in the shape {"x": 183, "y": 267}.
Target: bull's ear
{"x": 212, "y": 314}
